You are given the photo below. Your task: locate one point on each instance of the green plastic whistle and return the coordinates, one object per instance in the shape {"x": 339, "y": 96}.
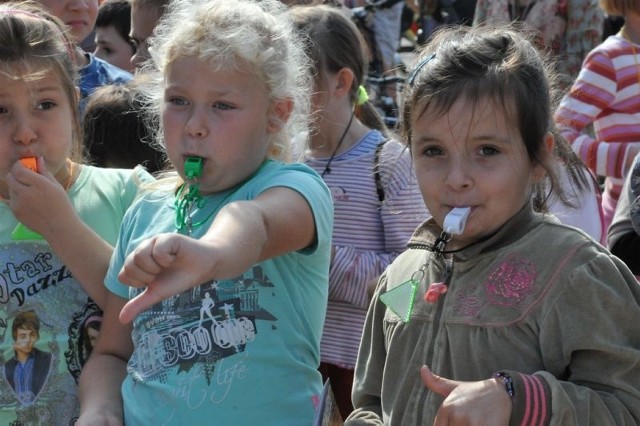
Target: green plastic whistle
{"x": 193, "y": 167}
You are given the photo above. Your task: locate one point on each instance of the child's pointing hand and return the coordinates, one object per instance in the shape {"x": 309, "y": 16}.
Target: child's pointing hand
{"x": 165, "y": 265}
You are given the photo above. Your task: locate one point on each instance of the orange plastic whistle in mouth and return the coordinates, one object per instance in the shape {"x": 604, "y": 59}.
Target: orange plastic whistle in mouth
{"x": 30, "y": 163}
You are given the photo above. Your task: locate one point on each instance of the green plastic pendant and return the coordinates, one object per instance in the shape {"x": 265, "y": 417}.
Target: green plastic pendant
{"x": 22, "y": 233}
{"x": 400, "y": 299}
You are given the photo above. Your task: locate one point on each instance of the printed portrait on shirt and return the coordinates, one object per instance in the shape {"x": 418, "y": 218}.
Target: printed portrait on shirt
{"x": 28, "y": 369}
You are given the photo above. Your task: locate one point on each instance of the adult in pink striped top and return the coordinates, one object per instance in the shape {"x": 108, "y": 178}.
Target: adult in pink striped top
{"x": 606, "y": 94}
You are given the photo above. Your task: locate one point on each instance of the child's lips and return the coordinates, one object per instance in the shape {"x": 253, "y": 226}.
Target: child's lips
{"x": 202, "y": 159}
{"x": 76, "y": 24}
{"x": 460, "y": 206}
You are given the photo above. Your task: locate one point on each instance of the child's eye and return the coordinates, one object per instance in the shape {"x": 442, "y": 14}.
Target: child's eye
{"x": 178, "y": 101}
{"x": 46, "y": 105}
{"x": 432, "y": 151}
{"x": 488, "y": 151}
{"x": 222, "y": 105}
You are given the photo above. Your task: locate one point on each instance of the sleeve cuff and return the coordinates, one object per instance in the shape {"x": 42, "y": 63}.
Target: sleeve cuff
{"x": 532, "y": 400}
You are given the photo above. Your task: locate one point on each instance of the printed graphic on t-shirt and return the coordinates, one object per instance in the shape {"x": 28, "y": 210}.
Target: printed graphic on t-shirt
{"x": 83, "y": 333}
{"x": 195, "y": 331}
{"x": 40, "y": 302}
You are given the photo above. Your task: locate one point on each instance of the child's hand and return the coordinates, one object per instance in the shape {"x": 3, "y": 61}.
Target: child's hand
{"x": 38, "y": 200}
{"x": 166, "y": 264}
{"x": 473, "y": 403}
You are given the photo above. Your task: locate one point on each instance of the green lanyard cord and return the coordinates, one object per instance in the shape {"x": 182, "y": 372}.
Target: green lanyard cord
{"x": 185, "y": 203}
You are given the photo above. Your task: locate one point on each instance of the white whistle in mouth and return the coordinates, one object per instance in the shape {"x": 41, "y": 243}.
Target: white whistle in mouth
{"x": 456, "y": 219}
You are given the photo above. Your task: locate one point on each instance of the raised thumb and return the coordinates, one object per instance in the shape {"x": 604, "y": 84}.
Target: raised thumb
{"x": 437, "y": 384}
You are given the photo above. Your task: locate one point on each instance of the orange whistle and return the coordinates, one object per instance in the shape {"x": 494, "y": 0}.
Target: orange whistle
{"x": 30, "y": 163}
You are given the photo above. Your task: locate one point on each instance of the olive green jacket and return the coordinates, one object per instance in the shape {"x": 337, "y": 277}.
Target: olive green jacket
{"x": 539, "y": 300}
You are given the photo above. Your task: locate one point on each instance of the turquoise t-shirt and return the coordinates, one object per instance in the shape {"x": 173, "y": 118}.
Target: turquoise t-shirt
{"x": 37, "y": 288}
{"x": 243, "y": 351}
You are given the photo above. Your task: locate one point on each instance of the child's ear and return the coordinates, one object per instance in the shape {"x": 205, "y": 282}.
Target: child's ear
{"x": 549, "y": 145}
{"x": 344, "y": 80}
{"x": 280, "y": 112}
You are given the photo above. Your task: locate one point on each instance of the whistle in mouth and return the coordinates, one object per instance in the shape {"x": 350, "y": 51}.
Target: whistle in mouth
{"x": 30, "y": 163}
{"x": 193, "y": 167}
{"x": 455, "y": 221}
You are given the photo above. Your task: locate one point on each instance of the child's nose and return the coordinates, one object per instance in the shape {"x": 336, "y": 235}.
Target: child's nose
{"x": 24, "y": 133}
{"x": 197, "y": 124}
{"x": 79, "y": 4}
{"x": 458, "y": 175}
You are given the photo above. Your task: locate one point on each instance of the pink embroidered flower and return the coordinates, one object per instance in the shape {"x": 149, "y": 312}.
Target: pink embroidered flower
{"x": 511, "y": 282}
{"x": 434, "y": 292}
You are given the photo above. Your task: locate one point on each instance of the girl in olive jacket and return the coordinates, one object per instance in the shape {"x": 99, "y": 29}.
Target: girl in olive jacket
{"x": 515, "y": 318}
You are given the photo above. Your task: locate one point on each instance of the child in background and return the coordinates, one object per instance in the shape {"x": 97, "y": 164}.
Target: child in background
{"x": 568, "y": 29}
{"x": 145, "y": 14}
{"x": 578, "y": 202}
{"x": 114, "y": 132}
{"x": 375, "y": 195}
{"x": 624, "y": 232}
{"x": 80, "y": 18}
{"x": 605, "y": 94}
{"x": 112, "y": 34}
{"x": 77, "y": 209}
{"x": 244, "y": 280}
{"x": 523, "y": 320}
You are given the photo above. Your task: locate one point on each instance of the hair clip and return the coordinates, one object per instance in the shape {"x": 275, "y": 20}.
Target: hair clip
{"x": 412, "y": 76}
{"x": 363, "y": 96}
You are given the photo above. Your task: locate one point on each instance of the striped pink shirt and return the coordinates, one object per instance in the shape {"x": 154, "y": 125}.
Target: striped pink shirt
{"x": 607, "y": 95}
{"x": 367, "y": 235}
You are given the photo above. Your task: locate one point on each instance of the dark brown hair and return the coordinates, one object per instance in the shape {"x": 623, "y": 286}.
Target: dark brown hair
{"x": 114, "y": 131}
{"x": 501, "y": 64}
{"x": 27, "y": 320}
